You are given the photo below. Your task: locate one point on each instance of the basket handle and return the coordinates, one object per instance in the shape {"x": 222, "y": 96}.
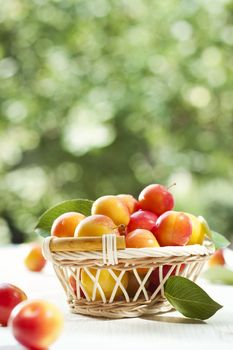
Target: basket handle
{"x": 81, "y": 244}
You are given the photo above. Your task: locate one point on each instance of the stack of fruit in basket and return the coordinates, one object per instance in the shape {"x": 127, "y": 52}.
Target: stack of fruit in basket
{"x": 148, "y": 222}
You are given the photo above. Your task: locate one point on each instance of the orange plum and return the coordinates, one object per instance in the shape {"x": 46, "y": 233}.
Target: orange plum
{"x": 106, "y": 281}
{"x": 129, "y": 201}
{"x": 142, "y": 219}
{"x": 133, "y": 285}
{"x": 154, "y": 277}
{"x": 173, "y": 229}
{"x": 141, "y": 238}
{"x": 113, "y": 207}
{"x": 72, "y": 282}
{"x": 36, "y": 324}
{"x": 95, "y": 225}
{"x": 65, "y": 224}
{"x": 34, "y": 260}
{"x": 198, "y": 230}
{"x": 217, "y": 258}
{"x": 73, "y": 285}
{"x": 156, "y": 198}
{"x": 10, "y": 296}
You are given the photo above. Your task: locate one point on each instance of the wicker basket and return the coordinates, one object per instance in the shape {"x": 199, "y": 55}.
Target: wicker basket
{"x": 71, "y": 255}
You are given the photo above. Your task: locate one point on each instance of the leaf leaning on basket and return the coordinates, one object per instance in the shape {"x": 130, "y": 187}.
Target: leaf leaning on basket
{"x": 45, "y": 222}
{"x": 218, "y": 240}
{"x": 190, "y": 299}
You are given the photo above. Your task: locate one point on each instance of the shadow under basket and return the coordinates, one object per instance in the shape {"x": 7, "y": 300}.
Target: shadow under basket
{"x": 103, "y": 278}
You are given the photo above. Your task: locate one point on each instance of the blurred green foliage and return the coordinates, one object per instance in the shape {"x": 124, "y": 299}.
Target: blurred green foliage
{"x": 106, "y": 96}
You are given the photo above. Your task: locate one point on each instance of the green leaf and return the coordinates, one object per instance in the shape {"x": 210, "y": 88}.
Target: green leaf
{"x": 219, "y": 240}
{"x": 45, "y": 222}
{"x": 189, "y": 299}
{"x": 219, "y": 274}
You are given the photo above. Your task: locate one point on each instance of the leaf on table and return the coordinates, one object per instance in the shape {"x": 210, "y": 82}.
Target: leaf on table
{"x": 189, "y": 299}
{"x": 219, "y": 274}
{"x": 45, "y": 222}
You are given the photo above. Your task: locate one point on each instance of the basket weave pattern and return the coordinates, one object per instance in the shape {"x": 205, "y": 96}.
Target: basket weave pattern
{"x": 185, "y": 261}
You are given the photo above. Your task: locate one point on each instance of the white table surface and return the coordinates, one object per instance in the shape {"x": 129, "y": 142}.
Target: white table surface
{"x": 169, "y": 331}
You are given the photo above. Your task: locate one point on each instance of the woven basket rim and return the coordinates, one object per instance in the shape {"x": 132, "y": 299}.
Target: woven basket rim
{"x": 139, "y": 253}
